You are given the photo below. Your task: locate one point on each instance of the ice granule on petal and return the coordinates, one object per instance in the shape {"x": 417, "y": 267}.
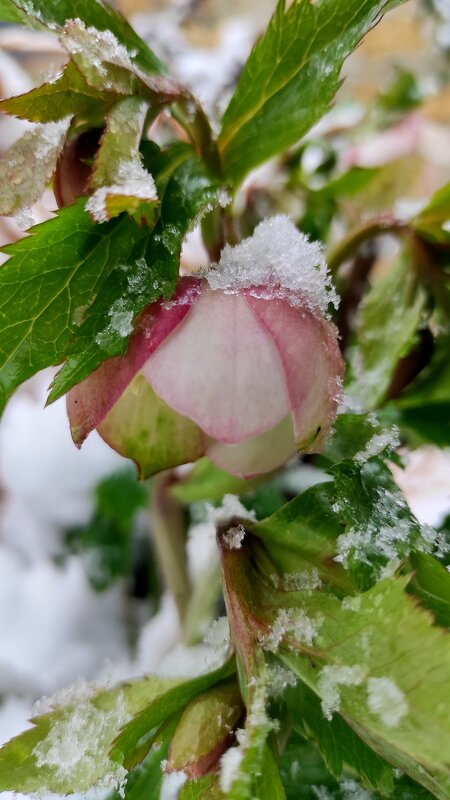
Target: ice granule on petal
{"x": 279, "y": 259}
{"x": 333, "y": 676}
{"x": 386, "y": 701}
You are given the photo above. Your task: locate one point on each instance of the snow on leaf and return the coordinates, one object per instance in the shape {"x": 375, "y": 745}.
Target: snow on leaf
{"x": 331, "y": 678}
{"x": 385, "y": 699}
{"x": 102, "y": 59}
{"x": 26, "y": 168}
{"x": 385, "y": 669}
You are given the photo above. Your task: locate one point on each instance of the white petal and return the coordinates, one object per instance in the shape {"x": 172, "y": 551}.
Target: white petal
{"x": 221, "y": 369}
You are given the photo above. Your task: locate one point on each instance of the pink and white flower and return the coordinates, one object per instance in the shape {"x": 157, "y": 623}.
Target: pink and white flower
{"x": 243, "y": 364}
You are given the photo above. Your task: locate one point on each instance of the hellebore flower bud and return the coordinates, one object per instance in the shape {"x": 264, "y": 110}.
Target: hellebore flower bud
{"x": 243, "y": 360}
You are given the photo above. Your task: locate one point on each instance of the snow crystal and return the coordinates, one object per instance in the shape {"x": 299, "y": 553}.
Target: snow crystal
{"x": 26, "y": 168}
{"x": 333, "y": 676}
{"x": 218, "y": 635}
{"x": 304, "y": 581}
{"x": 172, "y": 784}
{"x": 292, "y": 622}
{"x": 234, "y": 537}
{"x": 229, "y": 767}
{"x": 322, "y": 793}
{"x": 230, "y": 508}
{"x": 132, "y": 180}
{"x": 387, "y": 701}
{"x": 280, "y": 678}
{"x": 385, "y": 440}
{"x": 78, "y": 744}
{"x": 79, "y": 690}
{"x": 351, "y": 790}
{"x": 277, "y": 261}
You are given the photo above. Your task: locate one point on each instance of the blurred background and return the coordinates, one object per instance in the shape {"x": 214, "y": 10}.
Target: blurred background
{"x": 80, "y": 593}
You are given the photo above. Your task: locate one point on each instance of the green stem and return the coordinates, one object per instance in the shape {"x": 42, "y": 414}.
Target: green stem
{"x": 169, "y": 536}
{"x": 350, "y": 244}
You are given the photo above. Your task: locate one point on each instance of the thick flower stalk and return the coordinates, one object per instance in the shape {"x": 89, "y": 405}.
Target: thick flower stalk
{"x": 243, "y": 364}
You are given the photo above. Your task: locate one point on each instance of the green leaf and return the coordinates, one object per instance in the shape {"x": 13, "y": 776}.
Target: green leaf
{"x": 240, "y": 782}
{"x": 268, "y": 784}
{"x": 290, "y": 78}
{"x": 387, "y": 323}
{"x": 50, "y": 280}
{"x": 338, "y": 743}
{"x": 204, "y": 729}
{"x": 431, "y": 584}
{"x": 28, "y": 165}
{"x": 67, "y": 750}
{"x": 303, "y": 770}
{"x": 434, "y": 220}
{"x": 378, "y": 526}
{"x": 204, "y": 789}
{"x": 98, "y": 14}
{"x": 144, "y": 782}
{"x": 151, "y": 269}
{"x": 360, "y": 436}
{"x": 69, "y": 94}
{"x": 10, "y": 12}
{"x": 384, "y": 667}
{"x": 208, "y": 482}
{"x": 424, "y": 407}
{"x": 128, "y": 745}
{"x": 119, "y": 180}
{"x": 303, "y": 534}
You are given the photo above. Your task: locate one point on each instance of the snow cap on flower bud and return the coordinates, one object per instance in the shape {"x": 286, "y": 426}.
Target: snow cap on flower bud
{"x": 243, "y": 364}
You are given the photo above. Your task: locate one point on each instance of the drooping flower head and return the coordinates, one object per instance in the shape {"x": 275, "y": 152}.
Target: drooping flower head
{"x": 242, "y": 364}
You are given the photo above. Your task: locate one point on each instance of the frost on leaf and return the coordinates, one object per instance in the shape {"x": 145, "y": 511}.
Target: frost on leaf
{"x": 278, "y": 261}
{"x": 386, "y": 701}
{"x": 76, "y": 749}
{"x": 331, "y": 678}
{"x": 378, "y": 443}
{"x": 388, "y": 534}
{"x": 306, "y": 580}
{"x": 26, "y": 168}
{"x": 103, "y": 60}
{"x": 119, "y": 179}
{"x": 133, "y": 191}
{"x": 294, "y": 623}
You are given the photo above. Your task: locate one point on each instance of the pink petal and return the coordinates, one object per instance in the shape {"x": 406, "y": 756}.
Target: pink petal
{"x": 140, "y": 426}
{"x": 312, "y": 363}
{"x": 262, "y": 453}
{"x": 220, "y": 369}
{"x": 90, "y": 401}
